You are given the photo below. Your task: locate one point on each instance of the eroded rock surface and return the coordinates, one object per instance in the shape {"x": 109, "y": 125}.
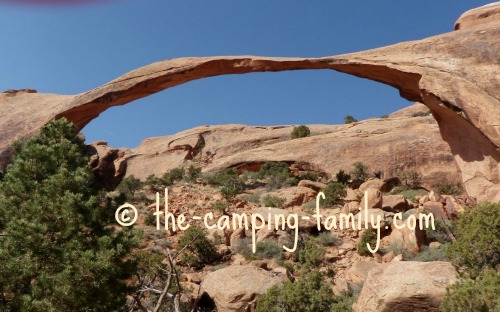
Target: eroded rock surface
{"x": 455, "y": 74}
{"x": 237, "y": 288}
{"x": 387, "y": 144}
{"x": 405, "y": 286}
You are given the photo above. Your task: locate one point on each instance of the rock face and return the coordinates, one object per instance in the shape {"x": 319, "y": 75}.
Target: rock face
{"x": 455, "y": 75}
{"x": 108, "y": 164}
{"x": 482, "y": 15}
{"x": 389, "y": 145}
{"x": 237, "y": 288}
{"x": 405, "y": 286}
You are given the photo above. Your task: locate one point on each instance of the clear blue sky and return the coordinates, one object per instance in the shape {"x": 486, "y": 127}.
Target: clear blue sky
{"x": 68, "y": 49}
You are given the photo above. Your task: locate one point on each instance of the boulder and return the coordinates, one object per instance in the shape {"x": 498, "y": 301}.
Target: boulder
{"x": 316, "y": 186}
{"x": 351, "y": 207}
{"x": 237, "y": 287}
{"x": 373, "y": 183}
{"x": 296, "y": 195}
{"x": 436, "y": 208}
{"x": 394, "y": 203}
{"x": 238, "y": 234}
{"x": 389, "y": 256}
{"x": 410, "y": 240}
{"x": 435, "y": 197}
{"x": 357, "y": 273}
{"x": 405, "y": 286}
{"x": 351, "y": 195}
{"x": 453, "y": 207}
{"x": 341, "y": 286}
{"x": 374, "y": 197}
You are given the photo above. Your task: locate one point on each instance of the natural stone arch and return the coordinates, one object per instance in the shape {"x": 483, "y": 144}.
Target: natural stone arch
{"x": 455, "y": 74}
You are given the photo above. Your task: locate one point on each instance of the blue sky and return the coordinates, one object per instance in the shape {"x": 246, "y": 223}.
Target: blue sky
{"x": 68, "y": 49}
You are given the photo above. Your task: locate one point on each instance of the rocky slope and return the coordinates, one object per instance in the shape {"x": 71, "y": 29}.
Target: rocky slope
{"x": 406, "y": 274}
{"x": 407, "y": 140}
{"x": 454, "y": 74}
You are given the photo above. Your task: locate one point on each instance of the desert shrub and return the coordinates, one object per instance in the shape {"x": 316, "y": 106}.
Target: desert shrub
{"x": 268, "y": 249}
{"x": 399, "y": 189}
{"x": 334, "y": 191}
{"x": 308, "y": 175}
{"x": 421, "y": 114}
{"x": 277, "y": 175}
{"x": 384, "y": 116}
{"x": 349, "y": 119}
{"x": 217, "y": 238}
{"x": 440, "y": 233}
{"x": 343, "y": 177}
{"x": 477, "y": 246}
{"x": 344, "y": 302}
{"x": 200, "y": 250}
{"x": 330, "y": 272}
{"x": 150, "y": 219}
{"x": 309, "y": 205}
{"x": 281, "y": 181}
{"x": 243, "y": 246}
{"x": 274, "y": 201}
{"x": 360, "y": 171}
{"x": 231, "y": 189}
{"x": 310, "y": 255}
{"x": 228, "y": 181}
{"x": 220, "y": 206}
{"x": 327, "y": 239}
{"x": 407, "y": 193}
{"x": 481, "y": 294}
{"x": 431, "y": 254}
{"x": 368, "y": 237}
{"x": 252, "y": 198}
{"x": 410, "y": 178}
{"x": 172, "y": 176}
{"x": 193, "y": 173}
{"x": 218, "y": 267}
{"x": 310, "y": 293}
{"x": 229, "y": 174}
{"x": 287, "y": 265}
{"x": 129, "y": 186}
{"x": 396, "y": 247}
{"x": 272, "y": 168}
{"x": 153, "y": 183}
{"x": 300, "y": 132}
{"x": 449, "y": 188}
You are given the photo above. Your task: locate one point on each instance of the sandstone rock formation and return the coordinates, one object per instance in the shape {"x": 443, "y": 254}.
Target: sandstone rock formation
{"x": 108, "y": 164}
{"x": 389, "y": 145}
{"x": 237, "y": 288}
{"x": 485, "y": 14}
{"x": 405, "y": 286}
{"x": 455, "y": 74}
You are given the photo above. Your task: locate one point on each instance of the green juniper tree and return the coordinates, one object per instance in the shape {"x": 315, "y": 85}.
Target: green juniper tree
{"x": 57, "y": 250}
{"x": 476, "y": 255}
